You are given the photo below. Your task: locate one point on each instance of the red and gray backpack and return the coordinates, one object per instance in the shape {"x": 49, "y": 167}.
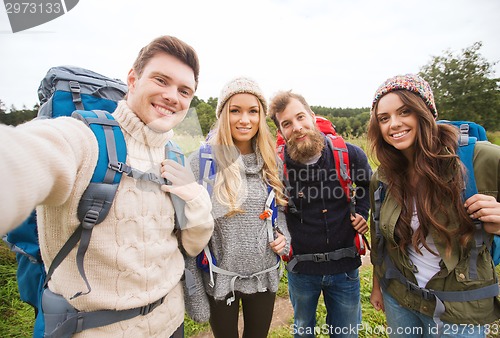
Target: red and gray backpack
{"x": 341, "y": 158}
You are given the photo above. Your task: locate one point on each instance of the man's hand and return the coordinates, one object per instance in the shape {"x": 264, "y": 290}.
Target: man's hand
{"x": 359, "y": 224}
{"x": 486, "y": 209}
{"x": 182, "y": 178}
{"x": 278, "y": 245}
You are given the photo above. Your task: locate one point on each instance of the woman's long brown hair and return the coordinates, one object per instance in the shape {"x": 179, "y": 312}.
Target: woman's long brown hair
{"x": 439, "y": 175}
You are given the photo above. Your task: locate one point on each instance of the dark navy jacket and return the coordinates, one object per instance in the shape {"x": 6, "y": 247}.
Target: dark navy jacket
{"x": 322, "y": 221}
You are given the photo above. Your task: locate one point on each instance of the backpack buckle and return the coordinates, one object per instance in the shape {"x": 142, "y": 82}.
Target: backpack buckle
{"x": 150, "y": 307}
{"x": 118, "y": 167}
{"x": 155, "y": 179}
{"x": 464, "y": 129}
{"x": 320, "y": 257}
{"x": 75, "y": 93}
{"x": 115, "y": 167}
{"x": 422, "y": 292}
{"x": 266, "y": 214}
{"x": 74, "y": 86}
{"x": 90, "y": 219}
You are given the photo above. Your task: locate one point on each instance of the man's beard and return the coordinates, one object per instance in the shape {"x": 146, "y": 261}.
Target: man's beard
{"x": 304, "y": 150}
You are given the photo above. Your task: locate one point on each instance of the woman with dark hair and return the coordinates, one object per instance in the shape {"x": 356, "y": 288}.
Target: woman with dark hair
{"x": 423, "y": 232}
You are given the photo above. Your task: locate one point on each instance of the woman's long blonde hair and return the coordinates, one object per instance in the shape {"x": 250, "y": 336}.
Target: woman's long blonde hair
{"x": 228, "y": 183}
{"x": 439, "y": 174}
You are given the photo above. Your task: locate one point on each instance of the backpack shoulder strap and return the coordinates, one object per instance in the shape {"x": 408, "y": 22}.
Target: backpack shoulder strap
{"x": 273, "y": 206}
{"x": 96, "y": 201}
{"x": 205, "y": 260}
{"x": 174, "y": 152}
{"x": 270, "y": 211}
{"x": 379, "y": 196}
{"x": 208, "y": 167}
{"x": 465, "y": 152}
{"x": 341, "y": 158}
{"x": 280, "y": 151}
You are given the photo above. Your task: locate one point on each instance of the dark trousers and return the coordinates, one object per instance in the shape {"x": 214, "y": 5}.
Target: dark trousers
{"x": 179, "y": 333}
{"x": 257, "y": 315}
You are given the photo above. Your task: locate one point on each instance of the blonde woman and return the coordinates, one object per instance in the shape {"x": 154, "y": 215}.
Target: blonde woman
{"x": 246, "y": 244}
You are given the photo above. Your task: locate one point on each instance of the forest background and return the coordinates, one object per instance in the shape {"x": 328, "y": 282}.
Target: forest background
{"x": 465, "y": 88}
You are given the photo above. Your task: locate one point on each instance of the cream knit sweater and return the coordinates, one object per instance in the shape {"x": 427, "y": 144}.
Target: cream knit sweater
{"x": 133, "y": 257}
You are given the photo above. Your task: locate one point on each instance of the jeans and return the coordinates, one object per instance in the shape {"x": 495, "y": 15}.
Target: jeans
{"x": 406, "y": 323}
{"x": 342, "y": 301}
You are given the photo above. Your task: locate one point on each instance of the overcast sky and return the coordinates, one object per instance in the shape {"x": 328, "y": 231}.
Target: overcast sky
{"x": 334, "y": 52}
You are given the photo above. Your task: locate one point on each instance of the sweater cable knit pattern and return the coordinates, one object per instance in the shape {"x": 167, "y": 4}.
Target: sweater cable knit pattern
{"x": 133, "y": 257}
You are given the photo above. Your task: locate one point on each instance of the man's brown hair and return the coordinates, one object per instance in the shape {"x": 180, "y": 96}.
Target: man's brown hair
{"x": 171, "y": 46}
{"x": 281, "y": 100}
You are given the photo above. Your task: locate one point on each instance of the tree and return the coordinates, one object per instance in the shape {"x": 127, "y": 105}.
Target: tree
{"x": 16, "y": 116}
{"x": 272, "y": 126}
{"x": 212, "y": 101}
{"x": 464, "y": 87}
{"x": 206, "y": 116}
{"x": 3, "y": 113}
{"x": 342, "y": 125}
{"x": 195, "y": 101}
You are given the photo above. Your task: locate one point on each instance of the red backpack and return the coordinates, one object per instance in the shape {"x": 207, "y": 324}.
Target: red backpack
{"x": 341, "y": 158}
{"x": 340, "y": 153}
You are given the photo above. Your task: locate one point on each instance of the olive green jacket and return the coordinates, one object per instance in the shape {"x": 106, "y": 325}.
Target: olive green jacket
{"x": 454, "y": 273}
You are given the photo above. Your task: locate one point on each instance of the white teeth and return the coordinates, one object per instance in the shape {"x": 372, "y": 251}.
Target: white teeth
{"x": 400, "y": 134}
{"x": 164, "y": 111}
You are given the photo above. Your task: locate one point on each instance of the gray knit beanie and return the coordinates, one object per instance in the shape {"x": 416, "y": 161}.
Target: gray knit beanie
{"x": 240, "y": 85}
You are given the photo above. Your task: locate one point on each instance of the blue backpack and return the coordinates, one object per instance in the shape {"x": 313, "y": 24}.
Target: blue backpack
{"x": 67, "y": 91}
{"x": 470, "y": 133}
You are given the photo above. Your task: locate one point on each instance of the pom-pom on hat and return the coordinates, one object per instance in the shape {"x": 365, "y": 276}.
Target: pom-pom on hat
{"x": 240, "y": 85}
{"x": 411, "y": 82}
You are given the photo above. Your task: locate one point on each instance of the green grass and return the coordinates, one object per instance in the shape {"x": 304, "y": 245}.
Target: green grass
{"x": 191, "y": 328}
{"x": 494, "y": 137}
{"x": 362, "y": 142}
{"x": 16, "y": 317}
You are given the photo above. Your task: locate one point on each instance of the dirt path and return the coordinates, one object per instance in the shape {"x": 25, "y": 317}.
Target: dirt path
{"x": 283, "y": 311}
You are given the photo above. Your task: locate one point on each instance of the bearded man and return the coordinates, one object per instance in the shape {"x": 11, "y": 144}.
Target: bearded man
{"x": 322, "y": 225}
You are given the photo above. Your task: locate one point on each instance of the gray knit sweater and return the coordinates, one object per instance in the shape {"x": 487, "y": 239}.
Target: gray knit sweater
{"x": 239, "y": 243}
